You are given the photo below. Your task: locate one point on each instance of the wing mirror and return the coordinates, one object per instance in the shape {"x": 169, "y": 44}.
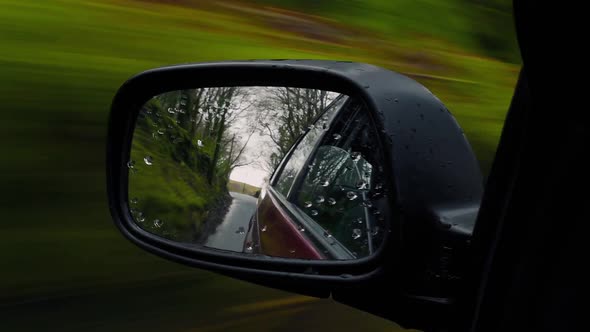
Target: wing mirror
{"x": 320, "y": 177}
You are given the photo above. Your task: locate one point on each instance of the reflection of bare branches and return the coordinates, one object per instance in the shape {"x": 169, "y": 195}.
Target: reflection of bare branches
{"x": 220, "y": 123}
{"x": 234, "y": 161}
{"x": 273, "y": 138}
{"x": 287, "y": 113}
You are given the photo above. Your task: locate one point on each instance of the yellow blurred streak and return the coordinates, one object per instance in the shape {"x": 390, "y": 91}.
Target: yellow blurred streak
{"x": 271, "y": 304}
{"x": 252, "y": 322}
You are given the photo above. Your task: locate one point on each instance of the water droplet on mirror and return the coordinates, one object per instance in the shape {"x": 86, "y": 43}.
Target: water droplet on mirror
{"x": 375, "y": 231}
{"x": 200, "y": 143}
{"x": 313, "y": 213}
{"x": 158, "y": 223}
{"x": 171, "y": 110}
{"x": 325, "y": 183}
{"x": 367, "y": 203}
{"x": 161, "y": 131}
{"x": 307, "y": 204}
{"x": 379, "y": 186}
{"x": 355, "y": 156}
{"x": 263, "y": 229}
{"x": 131, "y": 164}
{"x": 148, "y": 160}
{"x": 140, "y": 217}
{"x": 249, "y": 247}
{"x": 300, "y": 228}
{"x": 319, "y": 199}
{"x": 351, "y": 195}
{"x": 331, "y": 201}
{"x": 337, "y": 136}
{"x": 362, "y": 185}
{"x": 327, "y": 235}
{"x": 356, "y": 233}
{"x": 134, "y": 200}
{"x": 241, "y": 230}
{"x": 291, "y": 251}
{"x": 359, "y": 220}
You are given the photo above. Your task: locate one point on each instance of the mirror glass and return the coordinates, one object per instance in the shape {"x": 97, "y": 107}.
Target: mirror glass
{"x": 275, "y": 171}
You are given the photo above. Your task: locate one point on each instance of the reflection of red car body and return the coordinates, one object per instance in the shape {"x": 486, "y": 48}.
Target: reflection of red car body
{"x": 279, "y": 238}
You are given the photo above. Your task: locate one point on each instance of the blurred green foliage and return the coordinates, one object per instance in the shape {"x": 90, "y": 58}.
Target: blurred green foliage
{"x": 63, "y": 60}
{"x": 483, "y": 27}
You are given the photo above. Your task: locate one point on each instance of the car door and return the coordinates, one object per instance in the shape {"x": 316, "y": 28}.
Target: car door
{"x": 279, "y": 229}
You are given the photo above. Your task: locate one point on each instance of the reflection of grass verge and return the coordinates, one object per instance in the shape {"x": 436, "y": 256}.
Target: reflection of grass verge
{"x": 169, "y": 190}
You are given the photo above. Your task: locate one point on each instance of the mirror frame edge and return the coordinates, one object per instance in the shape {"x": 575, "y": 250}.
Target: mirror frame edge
{"x": 138, "y": 89}
{"x": 313, "y": 277}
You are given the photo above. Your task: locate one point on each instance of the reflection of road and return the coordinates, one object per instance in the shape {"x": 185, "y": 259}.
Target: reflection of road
{"x": 230, "y": 234}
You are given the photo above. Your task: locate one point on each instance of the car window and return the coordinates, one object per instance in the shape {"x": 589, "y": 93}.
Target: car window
{"x": 305, "y": 147}
{"x": 338, "y": 182}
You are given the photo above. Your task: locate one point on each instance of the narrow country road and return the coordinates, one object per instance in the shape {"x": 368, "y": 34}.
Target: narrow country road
{"x": 230, "y": 234}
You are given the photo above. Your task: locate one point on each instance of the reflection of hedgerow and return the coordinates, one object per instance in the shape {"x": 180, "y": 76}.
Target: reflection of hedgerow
{"x": 174, "y": 197}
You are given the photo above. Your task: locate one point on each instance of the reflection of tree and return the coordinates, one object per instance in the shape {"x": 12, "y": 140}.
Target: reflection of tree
{"x": 289, "y": 113}
{"x": 330, "y": 163}
{"x": 334, "y": 169}
{"x": 198, "y": 136}
{"x": 197, "y": 123}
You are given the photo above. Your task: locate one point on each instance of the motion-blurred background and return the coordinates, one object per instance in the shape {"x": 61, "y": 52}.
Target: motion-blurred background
{"x": 63, "y": 265}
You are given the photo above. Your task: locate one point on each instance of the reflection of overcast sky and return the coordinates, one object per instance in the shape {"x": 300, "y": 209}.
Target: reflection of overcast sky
{"x": 260, "y": 147}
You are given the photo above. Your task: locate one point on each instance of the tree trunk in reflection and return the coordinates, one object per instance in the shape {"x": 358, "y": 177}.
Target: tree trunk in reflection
{"x": 290, "y": 113}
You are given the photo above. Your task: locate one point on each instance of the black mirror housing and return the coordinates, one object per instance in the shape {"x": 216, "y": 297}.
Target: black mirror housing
{"x": 435, "y": 180}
